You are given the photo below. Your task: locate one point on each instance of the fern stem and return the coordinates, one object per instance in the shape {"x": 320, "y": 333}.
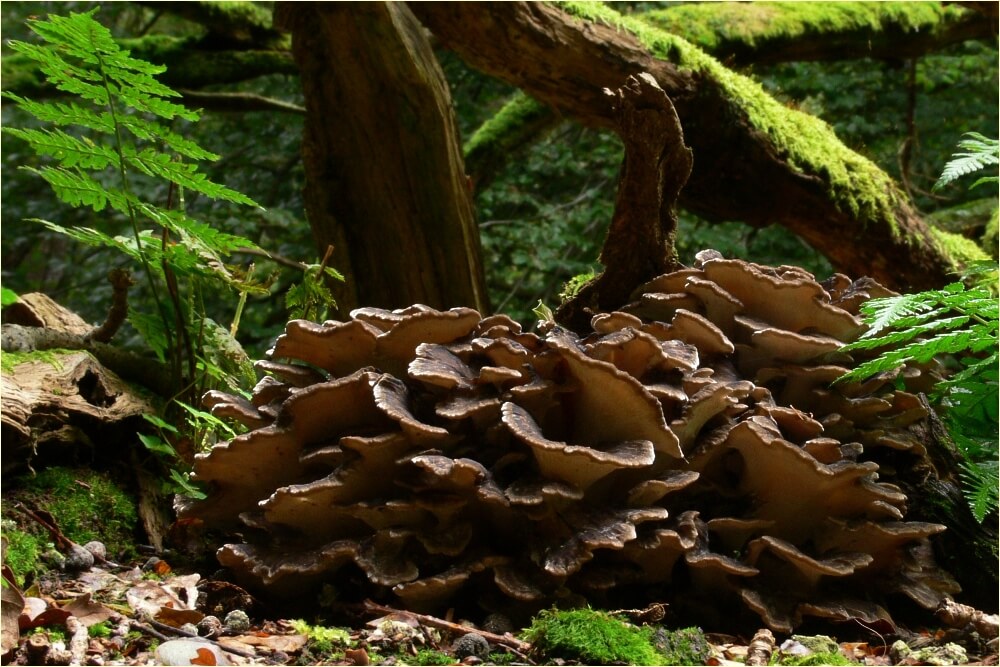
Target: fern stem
{"x": 126, "y": 187}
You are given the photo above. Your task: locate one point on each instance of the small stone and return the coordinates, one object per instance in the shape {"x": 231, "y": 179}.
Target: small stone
{"x": 498, "y": 624}
{"x": 210, "y": 627}
{"x": 471, "y": 660}
{"x": 150, "y": 565}
{"x": 189, "y": 629}
{"x": 473, "y": 645}
{"x": 185, "y": 651}
{"x": 97, "y": 549}
{"x": 236, "y": 622}
{"x": 78, "y": 559}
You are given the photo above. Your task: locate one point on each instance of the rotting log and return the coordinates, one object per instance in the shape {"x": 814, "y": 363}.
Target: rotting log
{"x": 755, "y": 161}
{"x": 385, "y": 183}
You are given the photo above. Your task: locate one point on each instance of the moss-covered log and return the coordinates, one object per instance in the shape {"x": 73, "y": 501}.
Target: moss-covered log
{"x": 743, "y": 33}
{"x": 755, "y": 160}
{"x": 232, "y": 23}
{"x": 385, "y": 183}
{"x": 748, "y": 33}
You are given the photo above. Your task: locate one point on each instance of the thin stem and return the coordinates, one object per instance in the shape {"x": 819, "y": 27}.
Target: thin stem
{"x": 119, "y": 142}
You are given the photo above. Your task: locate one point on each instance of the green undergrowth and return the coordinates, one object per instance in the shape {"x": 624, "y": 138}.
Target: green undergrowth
{"x": 597, "y": 638}
{"x": 86, "y": 505}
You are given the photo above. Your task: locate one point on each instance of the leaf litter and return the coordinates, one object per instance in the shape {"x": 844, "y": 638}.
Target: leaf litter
{"x": 130, "y": 615}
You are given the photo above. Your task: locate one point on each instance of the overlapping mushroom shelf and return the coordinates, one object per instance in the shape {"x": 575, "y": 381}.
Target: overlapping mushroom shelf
{"x": 691, "y": 448}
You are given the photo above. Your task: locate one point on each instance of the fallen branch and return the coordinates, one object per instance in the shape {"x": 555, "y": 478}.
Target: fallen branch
{"x": 507, "y": 641}
{"x": 157, "y": 627}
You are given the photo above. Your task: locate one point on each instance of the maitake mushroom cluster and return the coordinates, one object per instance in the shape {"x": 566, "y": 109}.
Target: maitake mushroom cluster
{"x": 691, "y": 449}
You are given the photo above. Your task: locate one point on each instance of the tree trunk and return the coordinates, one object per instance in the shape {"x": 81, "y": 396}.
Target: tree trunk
{"x": 754, "y": 160}
{"x": 385, "y": 183}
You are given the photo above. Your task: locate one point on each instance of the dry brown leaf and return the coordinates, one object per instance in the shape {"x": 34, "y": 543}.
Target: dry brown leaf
{"x": 11, "y": 606}
{"x": 178, "y": 617}
{"x": 87, "y": 611}
{"x": 283, "y": 643}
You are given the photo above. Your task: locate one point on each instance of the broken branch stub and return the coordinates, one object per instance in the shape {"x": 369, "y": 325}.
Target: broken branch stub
{"x": 687, "y": 457}
{"x": 640, "y": 241}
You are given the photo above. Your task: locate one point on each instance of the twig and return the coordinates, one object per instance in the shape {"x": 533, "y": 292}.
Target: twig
{"x": 516, "y": 645}
{"x": 156, "y": 625}
{"x": 239, "y": 102}
{"x": 120, "y": 280}
{"x": 761, "y": 648}
{"x": 78, "y": 642}
{"x": 274, "y": 257}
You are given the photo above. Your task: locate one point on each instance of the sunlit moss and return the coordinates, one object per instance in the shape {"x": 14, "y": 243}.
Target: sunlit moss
{"x": 724, "y": 26}
{"x": 591, "y": 637}
{"x": 957, "y": 248}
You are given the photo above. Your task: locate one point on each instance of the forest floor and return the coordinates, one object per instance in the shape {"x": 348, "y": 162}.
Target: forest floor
{"x": 146, "y": 613}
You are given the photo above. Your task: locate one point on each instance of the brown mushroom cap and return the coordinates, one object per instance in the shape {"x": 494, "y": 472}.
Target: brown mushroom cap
{"x": 580, "y": 466}
{"x": 768, "y": 298}
{"x": 339, "y": 348}
{"x": 612, "y": 406}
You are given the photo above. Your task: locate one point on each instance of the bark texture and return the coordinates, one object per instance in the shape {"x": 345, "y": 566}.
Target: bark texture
{"x": 385, "y": 183}
{"x": 744, "y": 169}
{"x": 640, "y": 242}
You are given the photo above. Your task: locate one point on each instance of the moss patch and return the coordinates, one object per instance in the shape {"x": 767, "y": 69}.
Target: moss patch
{"x": 8, "y": 360}
{"x": 958, "y": 249}
{"x": 721, "y": 27}
{"x": 592, "y": 637}
{"x": 519, "y": 111}
{"x": 809, "y": 145}
{"x": 85, "y": 504}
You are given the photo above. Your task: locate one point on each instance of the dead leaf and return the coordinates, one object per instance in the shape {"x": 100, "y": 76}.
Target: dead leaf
{"x": 151, "y": 596}
{"x": 357, "y": 656}
{"x": 205, "y": 657}
{"x": 163, "y": 568}
{"x": 11, "y": 606}
{"x": 178, "y": 617}
{"x": 283, "y": 643}
{"x": 87, "y": 611}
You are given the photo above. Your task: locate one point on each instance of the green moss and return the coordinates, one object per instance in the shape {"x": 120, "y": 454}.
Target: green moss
{"x": 957, "y": 248}
{"x": 428, "y": 657}
{"x": 831, "y": 658}
{"x": 592, "y": 637}
{"x": 990, "y": 236}
{"x": 521, "y": 111}
{"x": 102, "y": 629}
{"x": 856, "y": 185}
{"x": 8, "y": 360}
{"x": 730, "y": 27}
{"x": 87, "y": 505}
{"x": 323, "y": 640}
{"x": 686, "y": 646}
{"x": 23, "y": 551}
{"x": 575, "y": 284}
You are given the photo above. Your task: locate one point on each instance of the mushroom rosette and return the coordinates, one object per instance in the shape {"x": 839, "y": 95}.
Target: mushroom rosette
{"x": 692, "y": 447}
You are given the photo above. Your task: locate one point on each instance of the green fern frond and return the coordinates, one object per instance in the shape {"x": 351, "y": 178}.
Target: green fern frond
{"x": 69, "y": 151}
{"x": 64, "y": 113}
{"x": 981, "y": 489}
{"x": 154, "y": 163}
{"x": 984, "y": 152}
{"x": 75, "y": 189}
{"x": 912, "y": 327}
{"x": 883, "y": 313}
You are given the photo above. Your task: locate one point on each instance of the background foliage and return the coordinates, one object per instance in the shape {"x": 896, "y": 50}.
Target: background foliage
{"x": 544, "y": 216}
